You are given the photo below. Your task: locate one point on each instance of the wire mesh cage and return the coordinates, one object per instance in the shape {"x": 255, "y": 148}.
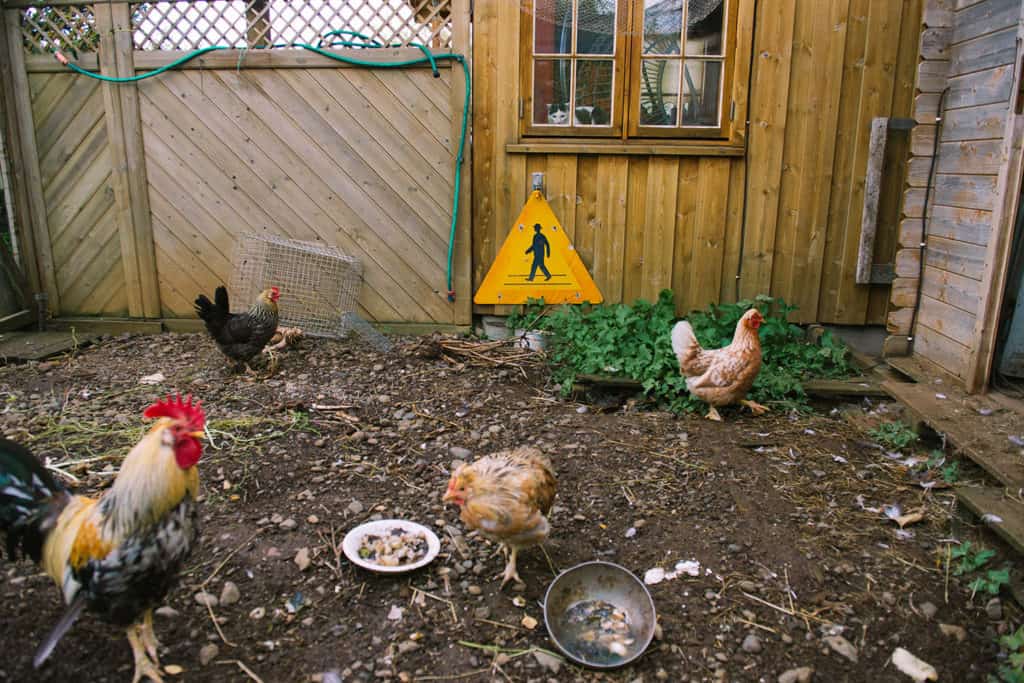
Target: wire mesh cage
{"x": 319, "y": 284}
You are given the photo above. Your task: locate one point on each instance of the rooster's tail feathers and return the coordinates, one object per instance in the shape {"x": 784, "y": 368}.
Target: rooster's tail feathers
{"x": 213, "y": 313}
{"x": 30, "y": 500}
{"x": 221, "y": 298}
{"x": 70, "y": 616}
{"x": 682, "y": 338}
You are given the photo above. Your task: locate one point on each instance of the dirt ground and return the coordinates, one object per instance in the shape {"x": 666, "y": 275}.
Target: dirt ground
{"x": 772, "y": 508}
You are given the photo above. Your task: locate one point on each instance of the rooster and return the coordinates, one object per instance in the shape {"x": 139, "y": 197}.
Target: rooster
{"x": 723, "y": 376}
{"x": 120, "y": 554}
{"x": 506, "y": 496}
{"x": 240, "y": 336}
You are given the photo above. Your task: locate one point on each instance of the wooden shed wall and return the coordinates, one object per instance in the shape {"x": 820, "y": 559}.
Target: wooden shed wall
{"x": 969, "y": 47}
{"x": 647, "y": 220}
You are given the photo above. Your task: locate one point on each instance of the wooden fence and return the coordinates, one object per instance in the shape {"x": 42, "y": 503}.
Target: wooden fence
{"x": 135, "y": 194}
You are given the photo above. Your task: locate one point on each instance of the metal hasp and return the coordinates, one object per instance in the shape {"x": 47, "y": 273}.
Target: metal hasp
{"x": 537, "y": 182}
{"x": 867, "y": 272}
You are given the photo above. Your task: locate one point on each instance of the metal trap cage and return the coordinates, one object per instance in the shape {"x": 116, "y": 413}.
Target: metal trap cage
{"x": 319, "y": 284}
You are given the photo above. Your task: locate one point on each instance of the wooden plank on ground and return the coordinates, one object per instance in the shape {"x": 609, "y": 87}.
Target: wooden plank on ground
{"x": 1001, "y": 513}
{"x": 25, "y": 346}
{"x": 820, "y": 388}
{"x": 983, "y": 439}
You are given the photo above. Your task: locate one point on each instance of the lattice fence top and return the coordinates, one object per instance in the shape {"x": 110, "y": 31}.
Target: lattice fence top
{"x": 192, "y": 24}
{"x": 65, "y": 28}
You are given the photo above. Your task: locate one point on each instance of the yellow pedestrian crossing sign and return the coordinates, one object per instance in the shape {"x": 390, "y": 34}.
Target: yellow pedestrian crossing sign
{"x": 537, "y": 260}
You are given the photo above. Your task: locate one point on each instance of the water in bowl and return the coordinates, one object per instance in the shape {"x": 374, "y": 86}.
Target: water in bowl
{"x": 599, "y": 632}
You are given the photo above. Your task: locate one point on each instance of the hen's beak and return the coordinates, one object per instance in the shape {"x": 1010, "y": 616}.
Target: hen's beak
{"x": 197, "y": 435}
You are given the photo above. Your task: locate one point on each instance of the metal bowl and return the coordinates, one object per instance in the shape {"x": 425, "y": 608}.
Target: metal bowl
{"x": 354, "y": 538}
{"x": 609, "y": 583}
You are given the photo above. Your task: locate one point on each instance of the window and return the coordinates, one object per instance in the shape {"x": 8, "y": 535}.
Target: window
{"x": 628, "y": 68}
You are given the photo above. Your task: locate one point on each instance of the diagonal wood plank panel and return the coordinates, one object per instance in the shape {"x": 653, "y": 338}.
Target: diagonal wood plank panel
{"x": 354, "y": 159}
{"x": 71, "y": 137}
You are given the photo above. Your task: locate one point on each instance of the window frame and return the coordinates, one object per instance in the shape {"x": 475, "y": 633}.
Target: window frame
{"x": 728, "y": 61}
{"x": 618, "y": 58}
{"x": 625, "y": 122}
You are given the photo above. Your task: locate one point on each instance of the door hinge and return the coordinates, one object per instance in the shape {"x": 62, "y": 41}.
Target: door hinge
{"x": 520, "y": 107}
{"x": 732, "y": 111}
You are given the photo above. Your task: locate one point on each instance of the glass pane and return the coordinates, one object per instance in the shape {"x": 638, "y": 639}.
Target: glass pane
{"x": 551, "y": 88}
{"x": 659, "y": 92}
{"x": 663, "y": 20}
{"x": 552, "y": 26}
{"x": 596, "y": 27}
{"x": 704, "y": 27}
{"x": 702, "y": 83}
{"x": 594, "y": 92}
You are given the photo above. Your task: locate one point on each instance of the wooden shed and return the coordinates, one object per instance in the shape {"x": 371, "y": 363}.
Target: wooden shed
{"x": 730, "y": 156}
{"x": 963, "y": 188}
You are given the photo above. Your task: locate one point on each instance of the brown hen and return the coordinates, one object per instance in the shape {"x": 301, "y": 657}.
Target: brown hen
{"x": 723, "y": 376}
{"x": 506, "y": 496}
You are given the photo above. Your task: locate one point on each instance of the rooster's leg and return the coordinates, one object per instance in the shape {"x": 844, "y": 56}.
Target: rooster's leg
{"x": 149, "y": 637}
{"x": 755, "y": 408}
{"x": 503, "y": 549}
{"x": 144, "y": 667}
{"x": 713, "y": 414}
{"x": 510, "y": 569}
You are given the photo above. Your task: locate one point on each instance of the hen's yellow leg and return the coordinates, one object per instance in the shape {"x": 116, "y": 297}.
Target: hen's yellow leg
{"x": 510, "y": 569}
{"x": 149, "y": 637}
{"x": 144, "y": 667}
{"x": 713, "y": 414}
{"x": 755, "y": 408}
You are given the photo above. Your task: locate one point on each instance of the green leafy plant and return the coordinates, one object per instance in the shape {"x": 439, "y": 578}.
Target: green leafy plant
{"x": 530, "y": 317}
{"x": 894, "y": 435}
{"x": 949, "y": 471}
{"x": 1013, "y": 670}
{"x": 991, "y": 582}
{"x": 635, "y": 341}
{"x": 970, "y": 559}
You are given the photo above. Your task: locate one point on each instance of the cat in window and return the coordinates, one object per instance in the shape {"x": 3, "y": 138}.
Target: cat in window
{"x": 586, "y": 115}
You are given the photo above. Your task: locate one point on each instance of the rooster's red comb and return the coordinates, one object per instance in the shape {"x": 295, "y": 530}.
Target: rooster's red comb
{"x": 180, "y": 409}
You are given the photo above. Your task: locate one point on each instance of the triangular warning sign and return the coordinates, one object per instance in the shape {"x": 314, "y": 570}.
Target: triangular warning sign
{"x": 537, "y": 260}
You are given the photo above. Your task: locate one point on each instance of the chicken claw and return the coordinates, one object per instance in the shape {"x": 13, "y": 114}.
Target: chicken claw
{"x": 755, "y": 408}
{"x": 713, "y": 414}
{"x": 148, "y": 637}
{"x": 144, "y": 667}
{"x": 510, "y": 570}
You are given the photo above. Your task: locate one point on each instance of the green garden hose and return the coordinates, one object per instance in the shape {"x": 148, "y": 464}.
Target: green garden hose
{"x": 362, "y": 42}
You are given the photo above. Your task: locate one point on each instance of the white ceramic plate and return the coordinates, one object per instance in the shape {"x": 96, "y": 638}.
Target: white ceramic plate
{"x": 353, "y": 539}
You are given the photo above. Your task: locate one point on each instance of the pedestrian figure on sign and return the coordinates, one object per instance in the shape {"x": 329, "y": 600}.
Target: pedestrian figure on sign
{"x": 541, "y": 249}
